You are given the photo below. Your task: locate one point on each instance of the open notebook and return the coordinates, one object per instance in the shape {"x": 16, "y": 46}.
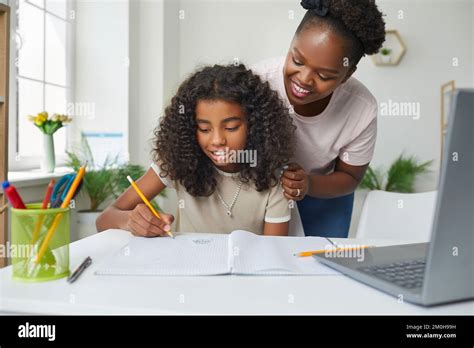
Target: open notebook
{"x": 240, "y": 252}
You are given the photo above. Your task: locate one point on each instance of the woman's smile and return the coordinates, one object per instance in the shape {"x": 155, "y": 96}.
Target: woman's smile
{"x": 299, "y": 91}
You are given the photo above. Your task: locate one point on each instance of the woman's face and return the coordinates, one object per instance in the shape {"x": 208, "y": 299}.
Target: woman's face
{"x": 221, "y": 128}
{"x": 315, "y": 65}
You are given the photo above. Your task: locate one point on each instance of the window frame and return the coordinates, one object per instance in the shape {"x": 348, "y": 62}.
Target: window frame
{"x": 23, "y": 163}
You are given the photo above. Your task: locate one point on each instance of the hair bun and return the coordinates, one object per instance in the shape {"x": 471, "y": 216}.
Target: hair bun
{"x": 320, "y": 7}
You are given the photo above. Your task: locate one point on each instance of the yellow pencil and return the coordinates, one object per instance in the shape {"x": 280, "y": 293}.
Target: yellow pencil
{"x": 315, "y": 252}
{"x": 146, "y": 201}
{"x": 57, "y": 219}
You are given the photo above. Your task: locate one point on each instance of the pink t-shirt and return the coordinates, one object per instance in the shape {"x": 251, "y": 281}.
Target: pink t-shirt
{"x": 347, "y": 128}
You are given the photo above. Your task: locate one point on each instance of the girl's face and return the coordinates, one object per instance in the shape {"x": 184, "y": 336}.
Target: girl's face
{"x": 221, "y": 128}
{"x": 315, "y": 65}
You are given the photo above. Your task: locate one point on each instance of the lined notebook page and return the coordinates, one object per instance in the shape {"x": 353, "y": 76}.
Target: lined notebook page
{"x": 202, "y": 254}
{"x": 267, "y": 255}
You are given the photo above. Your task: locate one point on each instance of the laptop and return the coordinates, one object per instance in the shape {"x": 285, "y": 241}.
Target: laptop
{"x": 442, "y": 270}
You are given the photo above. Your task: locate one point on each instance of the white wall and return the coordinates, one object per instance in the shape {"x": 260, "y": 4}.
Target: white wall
{"x": 434, "y": 31}
{"x": 102, "y": 63}
{"x": 219, "y": 31}
{"x": 146, "y": 75}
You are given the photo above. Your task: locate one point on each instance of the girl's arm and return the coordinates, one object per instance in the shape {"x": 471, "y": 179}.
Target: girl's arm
{"x": 272, "y": 229}
{"x": 129, "y": 212}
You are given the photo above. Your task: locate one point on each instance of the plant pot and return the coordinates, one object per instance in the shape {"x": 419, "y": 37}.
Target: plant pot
{"x": 48, "y": 161}
{"x": 386, "y": 59}
{"x": 85, "y": 220}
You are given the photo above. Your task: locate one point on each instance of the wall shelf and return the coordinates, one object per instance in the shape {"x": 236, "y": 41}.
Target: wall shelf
{"x": 395, "y": 44}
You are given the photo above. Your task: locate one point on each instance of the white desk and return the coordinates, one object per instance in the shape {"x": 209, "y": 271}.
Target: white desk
{"x": 92, "y": 294}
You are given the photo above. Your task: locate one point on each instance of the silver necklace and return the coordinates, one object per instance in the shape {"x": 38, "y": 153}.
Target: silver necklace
{"x": 234, "y": 199}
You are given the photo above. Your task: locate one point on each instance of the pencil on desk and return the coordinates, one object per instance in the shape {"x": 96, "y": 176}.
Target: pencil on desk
{"x": 146, "y": 201}
{"x": 315, "y": 252}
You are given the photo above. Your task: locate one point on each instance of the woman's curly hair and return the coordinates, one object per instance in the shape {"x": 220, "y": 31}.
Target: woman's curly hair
{"x": 270, "y": 129}
{"x": 358, "y": 21}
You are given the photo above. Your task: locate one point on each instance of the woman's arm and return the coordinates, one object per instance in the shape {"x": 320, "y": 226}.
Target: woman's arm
{"x": 129, "y": 213}
{"x": 272, "y": 229}
{"x": 343, "y": 181}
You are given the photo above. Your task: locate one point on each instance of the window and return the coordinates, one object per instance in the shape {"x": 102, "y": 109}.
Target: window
{"x": 41, "y": 75}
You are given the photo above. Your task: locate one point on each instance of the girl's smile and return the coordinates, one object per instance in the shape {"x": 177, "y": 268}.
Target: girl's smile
{"x": 221, "y": 128}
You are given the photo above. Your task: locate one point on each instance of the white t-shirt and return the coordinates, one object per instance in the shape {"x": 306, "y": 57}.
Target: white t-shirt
{"x": 347, "y": 128}
{"x": 250, "y": 211}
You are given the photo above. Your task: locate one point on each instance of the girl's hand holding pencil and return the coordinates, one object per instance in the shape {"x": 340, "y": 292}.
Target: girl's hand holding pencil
{"x": 143, "y": 223}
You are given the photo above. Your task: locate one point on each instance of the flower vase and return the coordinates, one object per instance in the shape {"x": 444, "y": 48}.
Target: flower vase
{"x": 48, "y": 161}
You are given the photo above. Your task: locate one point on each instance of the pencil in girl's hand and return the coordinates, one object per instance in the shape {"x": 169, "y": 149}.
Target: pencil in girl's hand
{"x": 146, "y": 201}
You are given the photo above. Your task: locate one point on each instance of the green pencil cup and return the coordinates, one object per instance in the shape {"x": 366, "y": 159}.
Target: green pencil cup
{"x": 29, "y": 228}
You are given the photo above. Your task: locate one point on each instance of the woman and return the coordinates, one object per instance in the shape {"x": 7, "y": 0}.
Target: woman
{"x": 335, "y": 114}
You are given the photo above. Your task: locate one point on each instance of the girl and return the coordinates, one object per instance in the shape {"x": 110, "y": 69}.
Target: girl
{"x": 334, "y": 113}
{"x": 219, "y": 145}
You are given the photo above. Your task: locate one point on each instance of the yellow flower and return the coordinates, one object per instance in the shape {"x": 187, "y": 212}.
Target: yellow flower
{"x": 56, "y": 118}
{"x": 31, "y": 118}
{"x": 43, "y": 115}
{"x": 39, "y": 121}
{"x": 65, "y": 119}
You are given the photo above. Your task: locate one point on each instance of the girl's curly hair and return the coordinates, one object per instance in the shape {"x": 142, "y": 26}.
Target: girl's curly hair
{"x": 270, "y": 129}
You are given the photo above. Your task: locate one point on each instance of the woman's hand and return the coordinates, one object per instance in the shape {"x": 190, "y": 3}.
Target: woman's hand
{"x": 143, "y": 223}
{"x": 295, "y": 182}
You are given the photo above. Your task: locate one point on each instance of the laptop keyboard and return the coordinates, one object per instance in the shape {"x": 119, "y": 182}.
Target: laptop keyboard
{"x": 407, "y": 274}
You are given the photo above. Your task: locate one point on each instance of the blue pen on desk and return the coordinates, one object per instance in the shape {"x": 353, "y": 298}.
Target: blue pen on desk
{"x": 86, "y": 263}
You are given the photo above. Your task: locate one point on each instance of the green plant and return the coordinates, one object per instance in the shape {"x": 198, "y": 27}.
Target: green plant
{"x": 122, "y": 184}
{"x": 105, "y": 180}
{"x": 98, "y": 182}
{"x": 385, "y": 51}
{"x": 399, "y": 178}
